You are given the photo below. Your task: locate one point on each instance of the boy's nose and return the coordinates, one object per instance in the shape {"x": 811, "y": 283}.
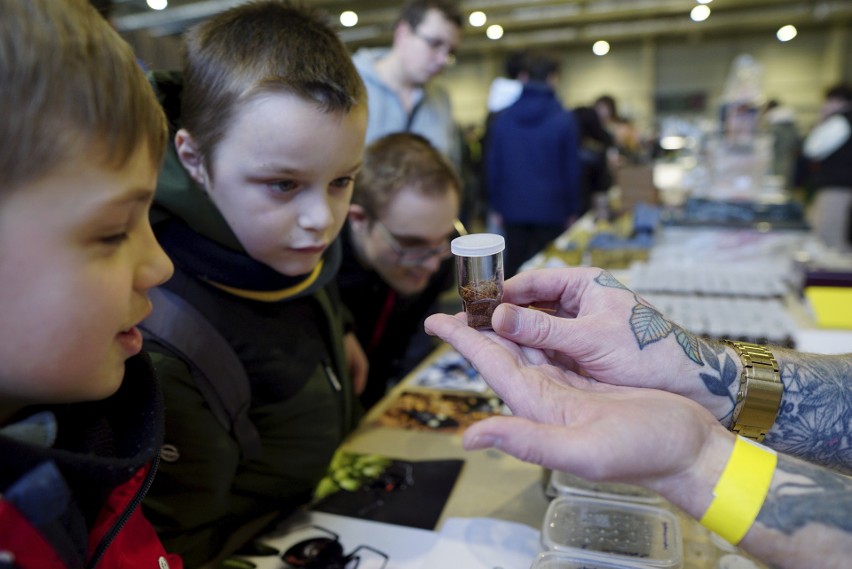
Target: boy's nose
{"x": 315, "y": 213}
{"x": 157, "y": 267}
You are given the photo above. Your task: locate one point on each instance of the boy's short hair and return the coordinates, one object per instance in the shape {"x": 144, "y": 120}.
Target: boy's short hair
{"x": 840, "y": 91}
{"x": 414, "y": 11}
{"x": 398, "y": 161}
{"x": 260, "y": 47}
{"x": 516, "y": 63}
{"x": 69, "y": 87}
{"x": 540, "y": 66}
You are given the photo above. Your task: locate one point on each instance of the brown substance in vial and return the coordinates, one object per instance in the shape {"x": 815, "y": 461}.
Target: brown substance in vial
{"x": 480, "y": 299}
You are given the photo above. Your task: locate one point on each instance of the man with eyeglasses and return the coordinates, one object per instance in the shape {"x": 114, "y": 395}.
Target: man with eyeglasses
{"x": 396, "y": 253}
{"x": 401, "y": 95}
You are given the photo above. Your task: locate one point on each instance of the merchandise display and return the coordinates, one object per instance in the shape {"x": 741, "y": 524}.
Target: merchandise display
{"x": 565, "y": 484}
{"x": 613, "y": 530}
{"x": 559, "y": 560}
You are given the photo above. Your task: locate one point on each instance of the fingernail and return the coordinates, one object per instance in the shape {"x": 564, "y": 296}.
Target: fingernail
{"x": 485, "y": 441}
{"x": 511, "y": 321}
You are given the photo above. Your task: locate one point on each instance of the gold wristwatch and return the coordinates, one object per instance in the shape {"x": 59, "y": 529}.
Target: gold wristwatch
{"x": 759, "y": 394}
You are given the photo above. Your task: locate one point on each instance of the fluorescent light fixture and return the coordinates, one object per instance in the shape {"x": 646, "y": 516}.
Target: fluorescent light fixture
{"x": 348, "y": 18}
{"x": 494, "y": 32}
{"x": 477, "y": 19}
{"x": 786, "y": 33}
{"x": 700, "y": 13}
{"x": 672, "y": 143}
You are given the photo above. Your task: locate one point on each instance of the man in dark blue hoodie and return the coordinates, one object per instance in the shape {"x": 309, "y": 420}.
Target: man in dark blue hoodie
{"x": 532, "y": 166}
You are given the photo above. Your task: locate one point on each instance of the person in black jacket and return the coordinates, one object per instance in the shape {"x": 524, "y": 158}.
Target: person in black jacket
{"x": 396, "y": 259}
{"x": 829, "y": 146}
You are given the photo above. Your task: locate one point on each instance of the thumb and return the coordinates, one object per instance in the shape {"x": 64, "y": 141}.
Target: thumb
{"x": 536, "y": 443}
{"x": 533, "y": 328}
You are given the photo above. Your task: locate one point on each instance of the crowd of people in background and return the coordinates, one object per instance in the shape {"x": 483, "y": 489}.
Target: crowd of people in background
{"x": 609, "y": 140}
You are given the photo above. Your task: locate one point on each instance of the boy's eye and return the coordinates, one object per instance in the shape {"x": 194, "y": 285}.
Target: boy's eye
{"x": 342, "y": 182}
{"x": 284, "y": 186}
{"x": 114, "y": 239}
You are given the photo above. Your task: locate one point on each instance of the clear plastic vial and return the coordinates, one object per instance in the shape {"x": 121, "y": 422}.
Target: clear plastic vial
{"x": 479, "y": 270}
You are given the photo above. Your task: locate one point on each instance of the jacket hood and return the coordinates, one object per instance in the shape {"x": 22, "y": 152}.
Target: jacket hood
{"x": 503, "y": 93}
{"x": 534, "y": 104}
{"x": 177, "y": 193}
{"x": 98, "y": 444}
{"x": 365, "y": 61}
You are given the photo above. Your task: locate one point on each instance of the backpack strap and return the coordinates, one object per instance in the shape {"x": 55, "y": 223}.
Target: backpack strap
{"x": 217, "y": 370}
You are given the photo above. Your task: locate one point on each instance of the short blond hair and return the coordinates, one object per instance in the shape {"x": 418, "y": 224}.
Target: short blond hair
{"x": 401, "y": 161}
{"x": 69, "y": 87}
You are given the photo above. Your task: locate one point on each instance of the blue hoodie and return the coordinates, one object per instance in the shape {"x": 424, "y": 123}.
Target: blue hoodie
{"x": 532, "y": 160}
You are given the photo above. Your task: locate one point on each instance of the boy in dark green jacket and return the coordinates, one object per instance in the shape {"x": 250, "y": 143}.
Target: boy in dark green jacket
{"x": 270, "y": 118}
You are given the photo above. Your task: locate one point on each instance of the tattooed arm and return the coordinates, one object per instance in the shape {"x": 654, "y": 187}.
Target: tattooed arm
{"x": 805, "y": 520}
{"x": 603, "y": 330}
{"x": 815, "y": 417}
{"x": 670, "y": 444}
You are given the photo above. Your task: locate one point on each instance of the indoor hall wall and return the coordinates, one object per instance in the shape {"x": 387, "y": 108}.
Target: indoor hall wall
{"x": 796, "y": 73}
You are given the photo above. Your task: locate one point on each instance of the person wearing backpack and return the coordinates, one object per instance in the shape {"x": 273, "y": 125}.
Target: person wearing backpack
{"x": 270, "y": 118}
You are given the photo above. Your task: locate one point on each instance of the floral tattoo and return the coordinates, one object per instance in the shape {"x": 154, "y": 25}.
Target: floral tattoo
{"x": 649, "y": 326}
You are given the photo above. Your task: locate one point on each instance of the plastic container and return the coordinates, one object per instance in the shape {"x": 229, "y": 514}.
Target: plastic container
{"x": 558, "y": 560}
{"x": 605, "y": 530}
{"x": 564, "y": 484}
{"x": 479, "y": 272}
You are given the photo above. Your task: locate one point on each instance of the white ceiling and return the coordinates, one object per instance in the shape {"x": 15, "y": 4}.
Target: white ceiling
{"x": 531, "y": 23}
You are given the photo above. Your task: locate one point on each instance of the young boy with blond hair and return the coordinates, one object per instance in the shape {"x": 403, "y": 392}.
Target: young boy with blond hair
{"x": 80, "y": 411}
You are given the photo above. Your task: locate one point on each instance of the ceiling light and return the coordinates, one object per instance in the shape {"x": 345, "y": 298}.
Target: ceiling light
{"x": 477, "y": 19}
{"x": 704, "y": 1}
{"x": 158, "y": 4}
{"x": 786, "y": 33}
{"x": 348, "y": 18}
{"x": 600, "y": 47}
{"x": 672, "y": 143}
{"x": 494, "y": 32}
{"x": 700, "y": 13}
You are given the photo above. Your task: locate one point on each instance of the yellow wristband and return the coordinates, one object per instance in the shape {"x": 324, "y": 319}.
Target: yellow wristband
{"x": 741, "y": 490}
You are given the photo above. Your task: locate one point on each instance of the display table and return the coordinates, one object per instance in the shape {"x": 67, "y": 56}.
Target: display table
{"x": 494, "y": 513}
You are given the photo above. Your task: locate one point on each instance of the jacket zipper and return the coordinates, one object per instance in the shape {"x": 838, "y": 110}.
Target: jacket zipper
{"x": 128, "y": 511}
{"x": 332, "y": 377}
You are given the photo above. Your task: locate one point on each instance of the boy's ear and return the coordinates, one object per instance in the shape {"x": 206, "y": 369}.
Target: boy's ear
{"x": 190, "y": 157}
{"x": 402, "y": 31}
{"x": 357, "y": 216}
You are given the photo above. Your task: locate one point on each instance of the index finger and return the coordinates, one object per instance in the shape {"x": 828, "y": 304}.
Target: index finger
{"x": 494, "y": 362}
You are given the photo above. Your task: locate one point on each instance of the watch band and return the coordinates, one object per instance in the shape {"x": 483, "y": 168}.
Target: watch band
{"x": 759, "y": 393}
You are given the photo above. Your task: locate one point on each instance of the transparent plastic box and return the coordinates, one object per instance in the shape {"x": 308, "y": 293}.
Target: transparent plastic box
{"x": 558, "y": 560}
{"x": 564, "y": 484}
{"x": 607, "y": 530}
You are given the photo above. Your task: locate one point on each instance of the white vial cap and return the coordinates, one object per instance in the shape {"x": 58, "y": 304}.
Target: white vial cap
{"x": 478, "y": 245}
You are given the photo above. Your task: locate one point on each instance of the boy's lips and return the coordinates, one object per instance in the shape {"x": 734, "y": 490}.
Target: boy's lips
{"x": 310, "y": 249}
{"x": 130, "y": 340}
